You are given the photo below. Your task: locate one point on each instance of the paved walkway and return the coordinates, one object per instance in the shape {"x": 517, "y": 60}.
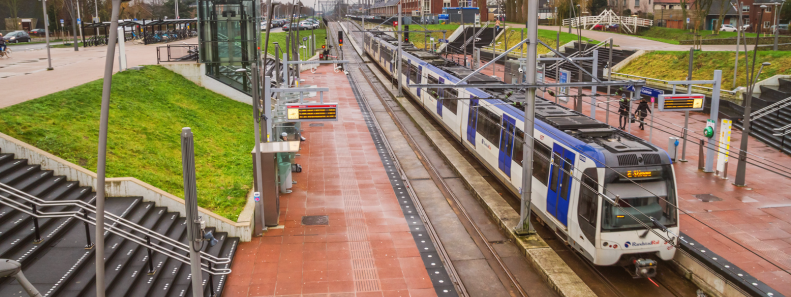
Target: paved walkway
{"x": 27, "y": 70}
{"x": 366, "y": 250}
{"x": 633, "y": 42}
{"x": 748, "y": 222}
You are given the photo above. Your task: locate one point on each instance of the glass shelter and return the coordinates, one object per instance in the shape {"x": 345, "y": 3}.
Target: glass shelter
{"x": 228, "y": 38}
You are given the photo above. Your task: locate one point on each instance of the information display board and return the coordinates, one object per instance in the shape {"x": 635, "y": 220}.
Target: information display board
{"x": 565, "y": 76}
{"x": 681, "y": 102}
{"x": 312, "y": 112}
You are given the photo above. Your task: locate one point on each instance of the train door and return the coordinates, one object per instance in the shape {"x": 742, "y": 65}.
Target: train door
{"x": 560, "y": 183}
{"x": 472, "y": 120}
{"x": 439, "y": 99}
{"x": 419, "y": 79}
{"x": 506, "y": 144}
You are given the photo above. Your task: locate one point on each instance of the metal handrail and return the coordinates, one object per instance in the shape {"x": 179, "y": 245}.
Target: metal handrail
{"x": 576, "y": 54}
{"x": 466, "y": 42}
{"x": 112, "y": 221}
{"x": 770, "y": 109}
{"x": 733, "y": 92}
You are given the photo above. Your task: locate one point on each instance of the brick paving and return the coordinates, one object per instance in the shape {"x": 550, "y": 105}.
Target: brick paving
{"x": 366, "y": 250}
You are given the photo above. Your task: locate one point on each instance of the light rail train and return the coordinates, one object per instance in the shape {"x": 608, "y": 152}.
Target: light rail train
{"x": 605, "y": 159}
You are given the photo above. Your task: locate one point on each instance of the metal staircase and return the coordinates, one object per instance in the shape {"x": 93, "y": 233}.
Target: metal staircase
{"x": 764, "y": 128}
{"x": 46, "y": 223}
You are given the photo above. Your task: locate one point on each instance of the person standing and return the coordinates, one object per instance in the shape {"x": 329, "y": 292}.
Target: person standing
{"x": 497, "y": 26}
{"x": 623, "y": 112}
{"x": 642, "y": 111}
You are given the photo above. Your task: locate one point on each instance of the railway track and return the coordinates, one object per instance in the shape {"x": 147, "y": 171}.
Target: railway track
{"x": 605, "y": 281}
{"x": 504, "y": 273}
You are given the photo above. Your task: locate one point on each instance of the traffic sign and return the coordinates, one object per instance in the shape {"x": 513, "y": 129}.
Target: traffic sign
{"x": 79, "y": 21}
{"x": 61, "y": 21}
{"x": 312, "y": 112}
{"x": 681, "y": 102}
{"x": 650, "y": 92}
{"x": 443, "y": 40}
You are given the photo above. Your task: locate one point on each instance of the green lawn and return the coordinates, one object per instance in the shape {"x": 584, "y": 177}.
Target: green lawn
{"x": 673, "y": 36}
{"x": 66, "y": 45}
{"x": 547, "y": 36}
{"x": 419, "y": 39}
{"x": 149, "y": 108}
{"x": 280, "y": 38}
{"x": 673, "y": 65}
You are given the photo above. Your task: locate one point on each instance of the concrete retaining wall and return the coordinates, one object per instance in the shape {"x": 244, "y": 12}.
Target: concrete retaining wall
{"x": 125, "y": 187}
{"x": 196, "y": 72}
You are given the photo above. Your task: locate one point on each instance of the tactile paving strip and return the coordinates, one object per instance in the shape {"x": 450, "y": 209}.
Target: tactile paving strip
{"x": 434, "y": 266}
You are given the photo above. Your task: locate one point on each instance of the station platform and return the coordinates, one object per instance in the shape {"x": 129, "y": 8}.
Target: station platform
{"x": 366, "y": 248}
{"x": 749, "y": 226}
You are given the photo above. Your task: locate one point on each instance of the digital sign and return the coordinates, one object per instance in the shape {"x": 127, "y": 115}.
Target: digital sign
{"x": 681, "y": 102}
{"x": 644, "y": 173}
{"x": 312, "y": 112}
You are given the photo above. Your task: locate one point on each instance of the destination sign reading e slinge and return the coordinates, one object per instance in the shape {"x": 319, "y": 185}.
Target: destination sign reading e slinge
{"x": 312, "y": 112}
{"x": 681, "y": 102}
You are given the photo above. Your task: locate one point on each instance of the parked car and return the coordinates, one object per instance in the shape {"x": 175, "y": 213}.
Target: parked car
{"x": 286, "y": 27}
{"x": 37, "y": 32}
{"x": 727, "y": 28}
{"x": 305, "y": 25}
{"x": 17, "y": 37}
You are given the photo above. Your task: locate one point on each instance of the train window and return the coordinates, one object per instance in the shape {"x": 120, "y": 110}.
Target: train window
{"x": 519, "y": 140}
{"x": 555, "y": 170}
{"x": 541, "y": 156}
{"x": 405, "y": 69}
{"x": 644, "y": 200}
{"x": 568, "y": 170}
{"x": 433, "y": 92}
{"x": 414, "y": 74}
{"x": 451, "y": 104}
{"x": 586, "y": 210}
{"x": 489, "y": 126}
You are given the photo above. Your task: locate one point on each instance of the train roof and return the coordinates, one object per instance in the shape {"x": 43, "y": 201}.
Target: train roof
{"x": 579, "y": 126}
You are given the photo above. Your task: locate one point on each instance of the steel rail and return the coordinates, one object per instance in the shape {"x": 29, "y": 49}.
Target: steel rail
{"x": 445, "y": 189}
{"x": 90, "y": 208}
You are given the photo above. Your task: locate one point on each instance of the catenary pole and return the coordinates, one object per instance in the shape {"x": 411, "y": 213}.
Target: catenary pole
{"x": 738, "y": 33}
{"x": 46, "y": 34}
{"x": 398, "y": 57}
{"x": 524, "y": 227}
{"x": 101, "y": 164}
{"x": 686, "y": 113}
{"x": 194, "y": 236}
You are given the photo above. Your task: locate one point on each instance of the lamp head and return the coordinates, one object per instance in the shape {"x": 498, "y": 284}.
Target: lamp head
{"x": 766, "y": 64}
{"x": 240, "y": 70}
{"x": 763, "y": 6}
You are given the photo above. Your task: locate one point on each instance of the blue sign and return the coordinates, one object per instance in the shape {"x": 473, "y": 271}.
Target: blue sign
{"x": 61, "y": 21}
{"x": 564, "y": 78}
{"x": 443, "y": 40}
{"x": 79, "y": 21}
{"x": 257, "y": 196}
{"x": 651, "y": 92}
{"x": 444, "y": 16}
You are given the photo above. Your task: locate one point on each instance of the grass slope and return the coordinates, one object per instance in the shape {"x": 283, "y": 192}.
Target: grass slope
{"x": 669, "y": 65}
{"x": 672, "y": 36}
{"x": 418, "y": 39}
{"x": 547, "y": 36}
{"x": 148, "y": 109}
{"x": 280, "y": 38}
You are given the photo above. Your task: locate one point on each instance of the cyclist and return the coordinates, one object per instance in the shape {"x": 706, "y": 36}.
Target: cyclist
{"x": 2, "y": 43}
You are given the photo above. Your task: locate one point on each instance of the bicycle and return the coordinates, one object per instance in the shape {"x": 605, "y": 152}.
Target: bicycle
{"x": 6, "y": 53}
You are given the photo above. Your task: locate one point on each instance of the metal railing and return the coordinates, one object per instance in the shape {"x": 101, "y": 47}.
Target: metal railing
{"x": 178, "y": 53}
{"x": 585, "y": 52}
{"x": 114, "y": 224}
{"x": 665, "y": 83}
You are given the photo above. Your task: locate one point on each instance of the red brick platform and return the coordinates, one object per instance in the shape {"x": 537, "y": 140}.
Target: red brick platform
{"x": 366, "y": 250}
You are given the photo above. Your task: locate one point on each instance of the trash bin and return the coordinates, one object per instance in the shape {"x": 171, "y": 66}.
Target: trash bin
{"x": 672, "y": 147}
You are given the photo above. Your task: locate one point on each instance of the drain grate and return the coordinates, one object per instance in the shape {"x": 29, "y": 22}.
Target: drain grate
{"x": 316, "y": 125}
{"x": 707, "y": 197}
{"x": 315, "y": 220}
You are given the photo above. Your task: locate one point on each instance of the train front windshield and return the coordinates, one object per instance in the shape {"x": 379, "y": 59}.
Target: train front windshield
{"x": 654, "y": 197}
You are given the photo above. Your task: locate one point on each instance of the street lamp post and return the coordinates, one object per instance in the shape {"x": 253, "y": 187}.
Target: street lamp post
{"x": 46, "y": 33}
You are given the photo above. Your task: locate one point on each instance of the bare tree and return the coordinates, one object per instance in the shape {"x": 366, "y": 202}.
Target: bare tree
{"x": 724, "y": 6}
{"x": 683, "y": 9}
{"x": 701, "y": 9}
{"x": 13, "y": 8}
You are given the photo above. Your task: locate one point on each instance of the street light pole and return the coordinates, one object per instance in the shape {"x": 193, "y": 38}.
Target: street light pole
{"x": 46, "y": 34}
{"x": 398, "y": 57}
{"x": 524, "y": 227}
{"x": 741, "y": 167}
{"x": 101, "y": 164}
